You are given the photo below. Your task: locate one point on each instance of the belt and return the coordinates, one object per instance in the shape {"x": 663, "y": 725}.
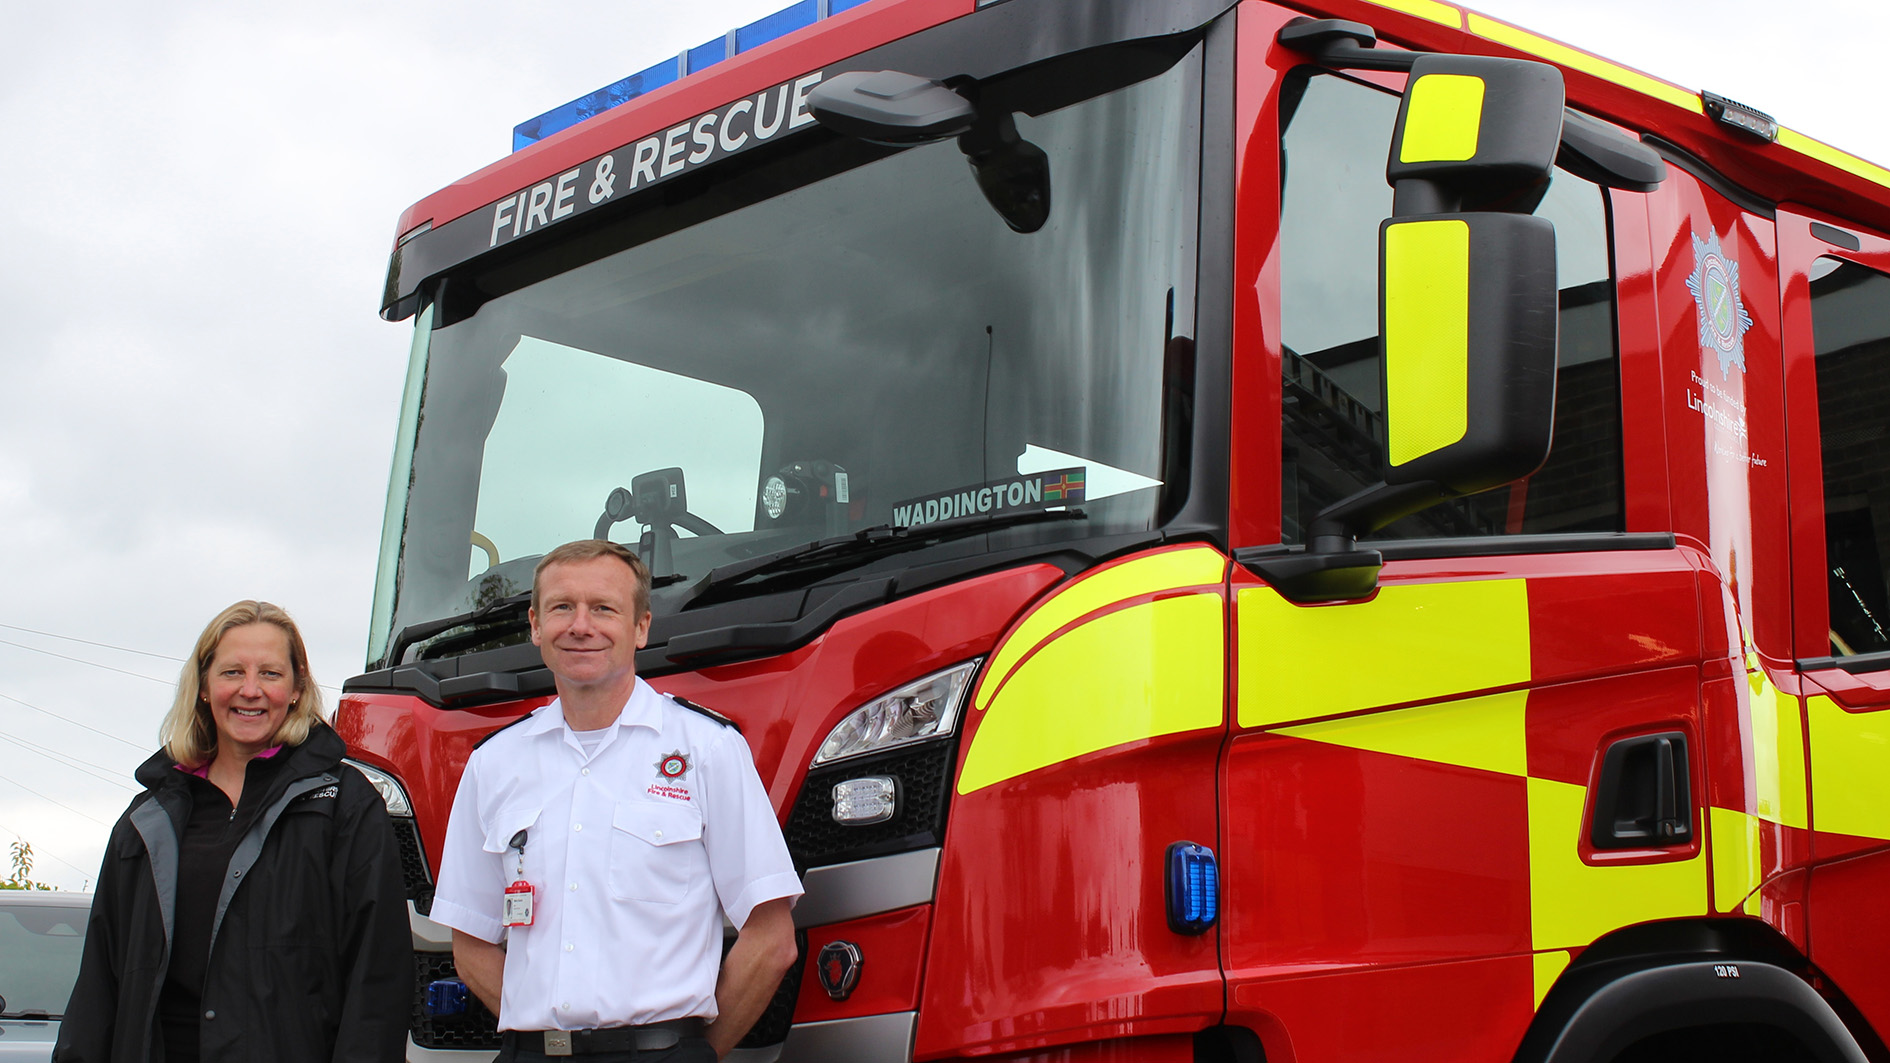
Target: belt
{"x": 654, "y": 1037}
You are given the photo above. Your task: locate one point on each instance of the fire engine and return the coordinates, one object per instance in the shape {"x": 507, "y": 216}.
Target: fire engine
{"x": 1335, "y": 531}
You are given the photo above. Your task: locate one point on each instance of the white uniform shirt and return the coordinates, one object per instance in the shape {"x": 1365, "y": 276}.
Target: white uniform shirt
{"x": 636, "y": 849}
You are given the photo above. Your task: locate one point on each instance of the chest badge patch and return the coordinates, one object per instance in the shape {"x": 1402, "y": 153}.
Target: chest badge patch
{"x": 1723, "y": 318}
{"x": 670, "y": 782}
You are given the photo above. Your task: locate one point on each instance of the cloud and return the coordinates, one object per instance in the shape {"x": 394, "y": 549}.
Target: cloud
{"x": 197, "y": 399}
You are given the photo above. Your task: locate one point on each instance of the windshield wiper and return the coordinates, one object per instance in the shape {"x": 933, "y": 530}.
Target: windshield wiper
{"x": 867, "y": 543}
{"x": 502, "y": 609}
{"x": 492, "y": 614}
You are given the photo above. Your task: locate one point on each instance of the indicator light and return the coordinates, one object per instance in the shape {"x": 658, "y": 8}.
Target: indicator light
{"x": 447, "y": 996}
{"x": 1737, "y": 115}
{"x": 1194, "y": 887}
{"x": 859, "y": 802}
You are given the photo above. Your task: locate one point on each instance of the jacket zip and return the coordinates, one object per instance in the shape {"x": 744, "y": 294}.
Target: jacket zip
{"x": 154, "y": 826}
{"x": 250, "y": 848}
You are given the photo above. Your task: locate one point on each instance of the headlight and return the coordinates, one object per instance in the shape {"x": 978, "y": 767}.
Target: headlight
{"x": 391, "y": 790}
{"x": 927, "y": 708}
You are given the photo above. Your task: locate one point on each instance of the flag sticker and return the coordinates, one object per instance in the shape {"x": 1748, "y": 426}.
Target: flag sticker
{"x": 1066, "y": 485}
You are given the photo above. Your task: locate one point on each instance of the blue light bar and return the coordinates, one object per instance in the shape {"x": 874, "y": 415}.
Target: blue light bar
{"x": 779, "y": 24}
{"x": 1194, "y": 888}
{"x": 701, "y": 57}
{"x": 614, "y": 94}
{"x": 704, "y": 56}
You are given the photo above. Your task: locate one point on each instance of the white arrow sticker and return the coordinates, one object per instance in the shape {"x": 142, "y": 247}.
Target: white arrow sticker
{"x": 1103, "y": 480}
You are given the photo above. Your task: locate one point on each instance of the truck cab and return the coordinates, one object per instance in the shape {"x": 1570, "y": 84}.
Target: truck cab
{"x": 1339, "y": 530}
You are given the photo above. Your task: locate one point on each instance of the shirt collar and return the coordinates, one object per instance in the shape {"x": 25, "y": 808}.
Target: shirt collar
{"x": 644, "y": 709}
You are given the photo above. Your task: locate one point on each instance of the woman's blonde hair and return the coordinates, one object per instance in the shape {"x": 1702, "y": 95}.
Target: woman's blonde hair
{"x": 188, "y": 734}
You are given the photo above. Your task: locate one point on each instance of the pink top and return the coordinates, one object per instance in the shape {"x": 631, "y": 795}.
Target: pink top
{"x": 202, "y": 771}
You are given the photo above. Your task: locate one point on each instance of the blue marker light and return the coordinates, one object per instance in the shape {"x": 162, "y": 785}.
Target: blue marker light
{"x": 1194, "y": 887}
{"x": 446, "y": 996}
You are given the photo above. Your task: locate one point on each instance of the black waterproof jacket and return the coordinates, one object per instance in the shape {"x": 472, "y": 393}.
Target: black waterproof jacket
{"x": 311, "y": 955}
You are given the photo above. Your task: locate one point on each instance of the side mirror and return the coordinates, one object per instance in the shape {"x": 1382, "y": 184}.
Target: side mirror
{"x": 1468, "y": 313}
{"x": 1475, "y": 133}
{"x": 1468, "y": 310}
{"x": 889, "y": 107}
{"x": 900, "y": 110}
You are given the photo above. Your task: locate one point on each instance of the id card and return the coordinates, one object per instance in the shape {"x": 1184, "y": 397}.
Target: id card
{"x": 518, "y": 904}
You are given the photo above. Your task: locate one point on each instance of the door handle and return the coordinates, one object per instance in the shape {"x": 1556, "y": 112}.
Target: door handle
{"x": 1644, "y": 800}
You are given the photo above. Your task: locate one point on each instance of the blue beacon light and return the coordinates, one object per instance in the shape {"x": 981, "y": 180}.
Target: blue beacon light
{"x": 444, "y": 997}
{"x": 1194, "y": 887}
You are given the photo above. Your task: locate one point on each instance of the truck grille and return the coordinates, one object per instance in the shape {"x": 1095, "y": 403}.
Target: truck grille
{"x": 478, "y": 1029}
{"x": 772, "y": 1027}
{"x": 923, "y": 772}
{"x": 413, "y": 864}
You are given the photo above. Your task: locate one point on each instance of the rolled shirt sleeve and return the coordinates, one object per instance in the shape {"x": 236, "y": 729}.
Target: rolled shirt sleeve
{"x": 470, "y": 894}
{"x": 748, "y": 857}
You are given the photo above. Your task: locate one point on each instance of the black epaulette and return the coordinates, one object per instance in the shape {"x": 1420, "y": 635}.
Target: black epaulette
{"x": 490, "y": 735}
{"x": 704, "y": 710}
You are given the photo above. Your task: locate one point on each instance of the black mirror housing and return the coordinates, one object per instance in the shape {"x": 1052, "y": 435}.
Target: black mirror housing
{"x": 890, "y": 107}
{"x": 1475, "y": 133}
{"x": 1468, "y": 319}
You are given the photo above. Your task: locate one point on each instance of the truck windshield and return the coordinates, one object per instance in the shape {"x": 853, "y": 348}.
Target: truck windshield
{"x": 858, "y": 343}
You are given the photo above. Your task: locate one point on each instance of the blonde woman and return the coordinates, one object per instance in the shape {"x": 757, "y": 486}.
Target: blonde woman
{"x": 250, "y": 904}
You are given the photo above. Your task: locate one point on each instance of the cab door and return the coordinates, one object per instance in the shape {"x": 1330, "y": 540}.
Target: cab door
{"x": 1407, "y": 784}
{"x": 1835, "y": 279}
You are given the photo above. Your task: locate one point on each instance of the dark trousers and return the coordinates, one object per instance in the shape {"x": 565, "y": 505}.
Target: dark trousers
{"x": 688, "y": 1050}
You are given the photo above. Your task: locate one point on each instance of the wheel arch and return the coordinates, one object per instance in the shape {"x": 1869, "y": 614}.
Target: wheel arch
{"x": 1647, "y": 980}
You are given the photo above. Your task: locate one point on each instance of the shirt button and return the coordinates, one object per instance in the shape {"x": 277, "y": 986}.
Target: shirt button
{"x": 573, "y": 887}
{"x": 568, "y": 946}
{"x": 566, "y": 1006}
{"x": 209, "y": 1016}
{"x": 586, "y": 771}
{"x": 577, "y": 826}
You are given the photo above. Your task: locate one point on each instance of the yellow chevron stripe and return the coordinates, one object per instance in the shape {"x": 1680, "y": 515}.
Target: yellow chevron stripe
{"x": 1429, "y": 9}
{"x": 1186, "y": 567}
{"x": 1574, "y": 59}
{"x": 1850, "y": 769}
{"x": 1151, "y": 669}
{"x": 1830, "y": 156}
{"x": 1572, "y": 903}
{"x": 1734, "y": 836}
{"x": 1549, "y": 967}
{"x": 1778, "y": 753}
{"x": 1485, "y": 733}
{"x": 1423, "y": 641}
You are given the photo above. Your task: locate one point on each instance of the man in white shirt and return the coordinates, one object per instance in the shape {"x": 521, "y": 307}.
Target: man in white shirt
{"x": 595, "y": 844}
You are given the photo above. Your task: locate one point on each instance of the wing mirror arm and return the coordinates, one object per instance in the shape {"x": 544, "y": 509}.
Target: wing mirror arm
{"x": 1589, "y": 148}
{"x": 1333, "y": 568}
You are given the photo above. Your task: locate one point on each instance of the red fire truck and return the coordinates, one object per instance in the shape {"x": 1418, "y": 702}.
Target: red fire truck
{"x": 1234, "y": 531}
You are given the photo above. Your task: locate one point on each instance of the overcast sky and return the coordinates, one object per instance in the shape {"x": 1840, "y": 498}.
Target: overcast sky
{"x": 197, "y": 398}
